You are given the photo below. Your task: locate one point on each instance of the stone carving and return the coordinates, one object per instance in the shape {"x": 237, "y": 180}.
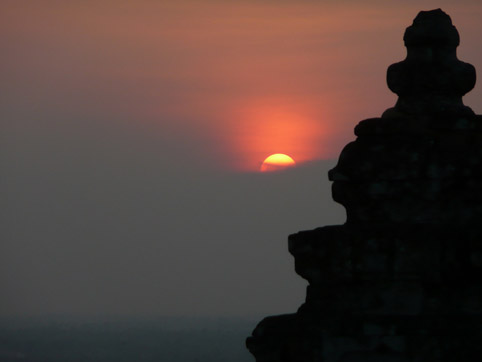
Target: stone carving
{"x": 401, "y": 280}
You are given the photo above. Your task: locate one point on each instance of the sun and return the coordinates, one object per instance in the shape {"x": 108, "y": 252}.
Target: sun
{"x": 277, "y": 161}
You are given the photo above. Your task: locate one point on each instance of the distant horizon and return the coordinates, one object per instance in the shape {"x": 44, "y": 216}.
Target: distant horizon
{"x": 78, "y": 318}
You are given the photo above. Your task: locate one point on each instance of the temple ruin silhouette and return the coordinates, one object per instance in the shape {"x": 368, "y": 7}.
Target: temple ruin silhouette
{"x": 401, "y": 280}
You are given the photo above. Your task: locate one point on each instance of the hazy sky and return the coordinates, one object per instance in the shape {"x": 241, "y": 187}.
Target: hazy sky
{"x": 132, "y": 133}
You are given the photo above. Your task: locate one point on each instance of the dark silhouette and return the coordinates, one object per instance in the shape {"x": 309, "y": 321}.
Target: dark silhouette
{"x": 401, "y": 280}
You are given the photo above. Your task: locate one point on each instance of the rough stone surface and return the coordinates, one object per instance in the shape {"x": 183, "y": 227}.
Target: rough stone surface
{"x": 401, "y": 280}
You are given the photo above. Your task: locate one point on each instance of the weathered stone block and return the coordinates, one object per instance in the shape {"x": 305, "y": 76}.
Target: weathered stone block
{"x": 401, "y": 280}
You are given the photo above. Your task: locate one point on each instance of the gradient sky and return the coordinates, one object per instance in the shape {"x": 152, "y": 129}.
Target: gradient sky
{"x": 132, "y": 133}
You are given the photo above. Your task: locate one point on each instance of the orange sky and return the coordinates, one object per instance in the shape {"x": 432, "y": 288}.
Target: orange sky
{"x": 237, "y": 81}
{"x": 132, "y": 133}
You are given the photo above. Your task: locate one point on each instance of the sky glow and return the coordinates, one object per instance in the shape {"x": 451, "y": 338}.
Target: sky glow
{"x": 133, "y": 133}
{"x": 248, "y": 78}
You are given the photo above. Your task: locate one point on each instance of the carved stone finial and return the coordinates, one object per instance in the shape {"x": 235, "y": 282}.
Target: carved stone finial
{"x": 431, "y": 78}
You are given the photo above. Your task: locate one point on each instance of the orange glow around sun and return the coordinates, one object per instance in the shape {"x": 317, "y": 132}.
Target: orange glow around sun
{"x": 270, "y": 128}
{"x": 277, "y": 161}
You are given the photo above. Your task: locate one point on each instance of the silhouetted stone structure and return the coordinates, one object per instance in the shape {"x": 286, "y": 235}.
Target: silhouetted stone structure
{"x": 402, "y": 279}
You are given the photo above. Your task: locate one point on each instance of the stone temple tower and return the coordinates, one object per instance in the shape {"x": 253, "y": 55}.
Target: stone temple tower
{"x": 401, "y": 280}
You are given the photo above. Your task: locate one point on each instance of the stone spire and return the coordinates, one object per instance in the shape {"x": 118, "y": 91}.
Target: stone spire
{"x": 401, "y": 280}
{"x": 431, "y": 79}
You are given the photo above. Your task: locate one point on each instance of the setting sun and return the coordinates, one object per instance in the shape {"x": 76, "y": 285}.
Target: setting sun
{"x": 277, "y": 161}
